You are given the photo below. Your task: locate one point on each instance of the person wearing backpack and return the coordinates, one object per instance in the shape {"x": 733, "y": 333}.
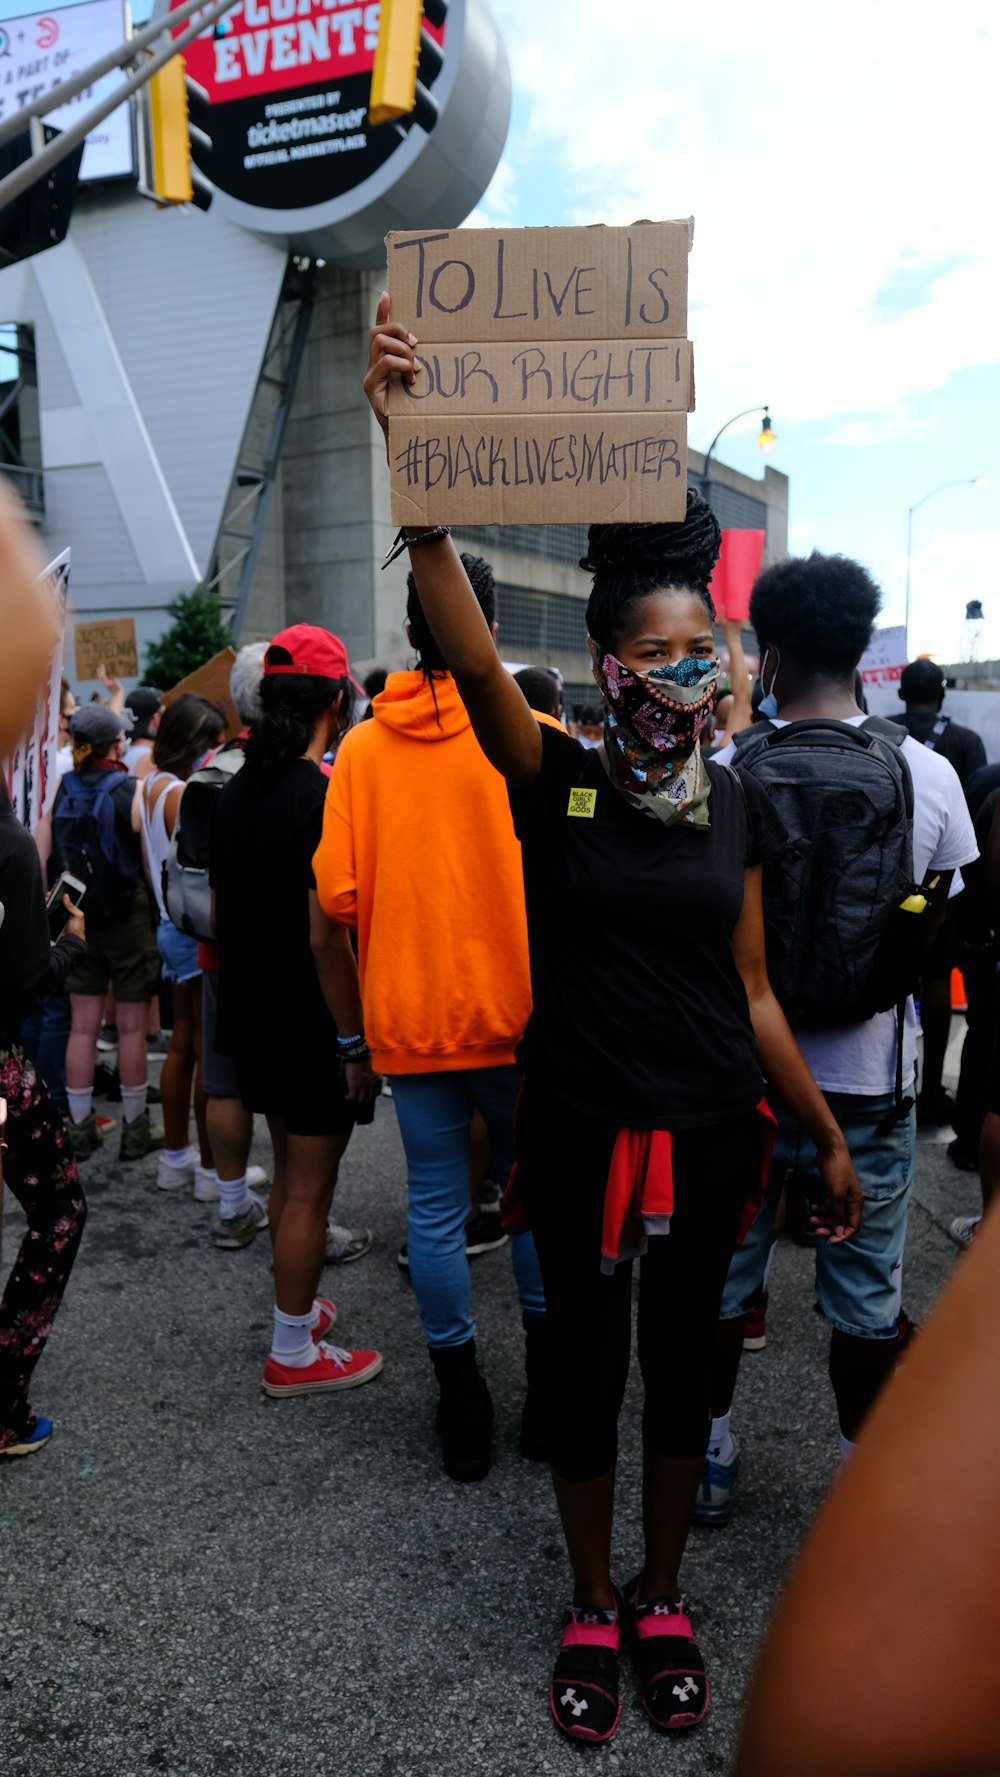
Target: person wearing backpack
{"x": 96, "y": 822}
{"x": 877, "y": 826}
{"x": 190, "y": 727}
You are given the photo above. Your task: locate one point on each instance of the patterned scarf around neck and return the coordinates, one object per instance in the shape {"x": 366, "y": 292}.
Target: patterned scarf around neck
{"x": 652, "y": 734}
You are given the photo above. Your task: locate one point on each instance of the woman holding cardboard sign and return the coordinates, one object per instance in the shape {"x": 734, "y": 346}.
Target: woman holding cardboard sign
{"x": 642, "y": 1133}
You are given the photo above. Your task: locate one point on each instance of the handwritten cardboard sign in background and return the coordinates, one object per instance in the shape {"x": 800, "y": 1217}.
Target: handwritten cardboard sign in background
{"x": 111, "y": 644}
{"x": 212, "y": 682}
{"x": 554, "y": 376}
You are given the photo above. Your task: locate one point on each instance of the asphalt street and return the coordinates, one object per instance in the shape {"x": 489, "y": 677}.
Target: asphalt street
{"x": 198, "y": 1579}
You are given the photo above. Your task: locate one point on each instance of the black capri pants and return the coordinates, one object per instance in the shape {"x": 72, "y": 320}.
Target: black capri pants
{"x": 563, "y": 1158}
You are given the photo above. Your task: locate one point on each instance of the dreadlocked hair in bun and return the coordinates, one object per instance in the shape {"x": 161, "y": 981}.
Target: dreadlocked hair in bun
{"x": 429, "y": 656}
{"x": 629, "y": 561}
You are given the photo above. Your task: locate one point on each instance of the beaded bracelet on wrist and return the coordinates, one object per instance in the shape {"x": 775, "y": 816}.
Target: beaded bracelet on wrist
{"x": 402, "y": 541}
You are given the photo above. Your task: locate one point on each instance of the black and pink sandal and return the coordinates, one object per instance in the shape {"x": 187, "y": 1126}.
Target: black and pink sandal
{"x": 584, "y": 1695}
{"x": 673, "y": 1683}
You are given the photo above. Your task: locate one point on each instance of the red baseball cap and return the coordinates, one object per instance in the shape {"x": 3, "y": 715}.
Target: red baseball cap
{"x": 308, "y": 650}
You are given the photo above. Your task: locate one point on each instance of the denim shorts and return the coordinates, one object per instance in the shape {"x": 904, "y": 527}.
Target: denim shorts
{"x": 856, "y": 1281}
{"x": 178, "y": 953}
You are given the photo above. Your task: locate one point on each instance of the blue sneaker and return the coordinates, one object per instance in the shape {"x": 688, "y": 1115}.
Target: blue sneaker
{"x": 40, "y": 1434}
{"x": 715, "y": 1493}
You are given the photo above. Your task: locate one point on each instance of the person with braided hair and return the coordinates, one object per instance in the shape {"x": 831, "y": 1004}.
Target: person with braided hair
{"x": 642, "y": 1131}
{"x": 418, "y": 856}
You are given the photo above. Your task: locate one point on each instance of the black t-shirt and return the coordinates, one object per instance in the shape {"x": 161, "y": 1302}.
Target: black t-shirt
{"x": 962, "y": 747}
{"x": 265, "y": 829}
{"x": 640, "y": 1016}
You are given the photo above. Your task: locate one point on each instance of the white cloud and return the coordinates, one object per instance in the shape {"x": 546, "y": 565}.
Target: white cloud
{"x": 823, "y": 151}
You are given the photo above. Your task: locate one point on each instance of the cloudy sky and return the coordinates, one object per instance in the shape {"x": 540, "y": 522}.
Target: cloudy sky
{"x": 841, "y": 164}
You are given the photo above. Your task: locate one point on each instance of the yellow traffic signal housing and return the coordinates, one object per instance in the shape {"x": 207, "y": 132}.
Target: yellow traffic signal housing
{"x": 407, "y": 57}
{"x": 178, "y": 113}
{"x": 168, "y": 123}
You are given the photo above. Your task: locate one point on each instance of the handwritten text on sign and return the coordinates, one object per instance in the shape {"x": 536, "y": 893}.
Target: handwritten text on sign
{"x": 553, "y": 375}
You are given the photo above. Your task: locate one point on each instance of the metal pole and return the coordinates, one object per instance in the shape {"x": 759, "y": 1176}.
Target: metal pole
{"x": 30, "y": 171}
{"x": 765, "y": 407}
{"x": 115, "y": 58}
{"x": 909, "y": 555}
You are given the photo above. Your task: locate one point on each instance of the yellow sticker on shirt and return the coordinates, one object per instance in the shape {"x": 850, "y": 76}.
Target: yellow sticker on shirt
{"x": 582, "y": 802}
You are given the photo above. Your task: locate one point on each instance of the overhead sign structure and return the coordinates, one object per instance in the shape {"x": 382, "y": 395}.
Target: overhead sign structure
{"x": 38, "y": 50}
{"x": 554, "y": 379}
{"x": 289, "y": 82}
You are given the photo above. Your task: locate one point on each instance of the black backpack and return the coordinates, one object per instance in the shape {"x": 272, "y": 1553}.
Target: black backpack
{"x": 86, "y": 842}
{"x": 840, "y": 944}
{"x": 186, "y": 888}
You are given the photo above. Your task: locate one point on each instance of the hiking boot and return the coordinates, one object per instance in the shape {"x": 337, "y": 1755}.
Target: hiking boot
{"x": 241, "y": 1230}
{"x": 345, "y": 1244}
{"x": 85, "y": 1137}
{"x": 139, "y": 1138}
{"x": 465, "y": 1412}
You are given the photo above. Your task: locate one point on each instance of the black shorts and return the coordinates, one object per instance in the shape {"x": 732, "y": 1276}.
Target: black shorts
{"x": 306, "y": 1088}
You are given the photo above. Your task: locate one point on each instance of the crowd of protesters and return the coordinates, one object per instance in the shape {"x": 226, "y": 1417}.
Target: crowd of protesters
{"x": 643, "y": 856}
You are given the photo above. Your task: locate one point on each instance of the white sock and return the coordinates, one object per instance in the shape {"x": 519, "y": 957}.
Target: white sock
{"x": 80, "y": 1103}
{"x": 292, "y": 1343}
{"x": 846, "y": 1448}
{"x": 179, "y": 1156}
{"x": 234, "y": 1197}
{"x": 133, "y": 1102}
{"x": 720, "y": 1442}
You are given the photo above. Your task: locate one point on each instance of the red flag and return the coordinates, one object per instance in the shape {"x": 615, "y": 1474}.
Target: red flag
{"x": 735, "y": 572}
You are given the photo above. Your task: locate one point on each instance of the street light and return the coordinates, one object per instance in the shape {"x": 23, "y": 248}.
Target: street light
{"x": 766, "y": 437}
{"x": 963, "y": 481}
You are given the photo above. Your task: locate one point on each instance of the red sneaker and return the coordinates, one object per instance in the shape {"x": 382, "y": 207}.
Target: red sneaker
{"x": 327, "y": 1318}
{"x": 755, "y": 1328}
{"x": 105, "y": 1126}
{"x": 331, "y": 1368}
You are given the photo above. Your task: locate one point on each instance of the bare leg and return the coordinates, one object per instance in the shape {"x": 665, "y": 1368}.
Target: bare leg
{"x": 230, "y": 1133}
{"x": 298, "y": 1228}
{"x": 178, "y": 1068}
{"x": 669, "y": 1490}
{"x": 133, "y": 1066}
{"x": 587, "y": 1511}
{"x": 81, "y": 1050}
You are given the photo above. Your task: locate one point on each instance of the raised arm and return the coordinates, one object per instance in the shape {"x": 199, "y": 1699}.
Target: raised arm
{"x": 741, "y": 714}
{"x": 504, "y": 726}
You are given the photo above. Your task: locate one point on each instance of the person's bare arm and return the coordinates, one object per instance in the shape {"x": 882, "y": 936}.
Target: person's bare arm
{"x": 504, "y": 726}
{"x": 338, "y": 979}
{"x": 783, "y": 1066}
{"x": 881, "y": 1657}
{"x": 114, "y": 688}
{"x": 741, "y": 714}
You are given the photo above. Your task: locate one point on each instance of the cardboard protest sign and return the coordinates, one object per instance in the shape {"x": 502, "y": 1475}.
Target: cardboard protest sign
{"x": 211, "y": 681}
{"x": 884, "y": 658}
{"x": 554, "y": 375}
{"x": 111, "y": 644}
{"x": 735, "y": 572}
{"x": 31, "y": 771}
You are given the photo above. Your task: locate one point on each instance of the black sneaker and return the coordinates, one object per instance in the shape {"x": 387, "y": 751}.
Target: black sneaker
{"x": 484, "y": 1235}
{"x": 964, "y": 1158}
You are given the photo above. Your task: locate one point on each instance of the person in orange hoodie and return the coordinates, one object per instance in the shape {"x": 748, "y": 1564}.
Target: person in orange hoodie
{"x": 446, "y": 993}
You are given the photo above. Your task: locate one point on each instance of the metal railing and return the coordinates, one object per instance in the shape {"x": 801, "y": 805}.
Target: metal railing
{"x": 30, "y": 484}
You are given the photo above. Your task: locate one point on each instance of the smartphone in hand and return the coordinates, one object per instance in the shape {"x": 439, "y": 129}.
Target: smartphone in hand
{"x": 58, "y": 914}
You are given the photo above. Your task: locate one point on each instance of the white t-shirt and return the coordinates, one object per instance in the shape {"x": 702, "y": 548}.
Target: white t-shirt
{"x": 861, "y": 1058}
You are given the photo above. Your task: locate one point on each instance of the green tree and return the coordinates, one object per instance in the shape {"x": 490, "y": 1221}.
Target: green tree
{"x": 196, "y": 633}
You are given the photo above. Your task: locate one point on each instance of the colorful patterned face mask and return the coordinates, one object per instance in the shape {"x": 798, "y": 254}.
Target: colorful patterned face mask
{"x": 652, "y": 733}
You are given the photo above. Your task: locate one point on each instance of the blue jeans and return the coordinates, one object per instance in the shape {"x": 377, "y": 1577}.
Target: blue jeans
{"x": 45, "y": 1035}
{"x": 435, "y": 1112}
{"x": 856, "y": 1281}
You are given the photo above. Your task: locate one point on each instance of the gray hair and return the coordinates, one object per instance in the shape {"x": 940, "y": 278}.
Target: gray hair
{"x": 245, "y": 678}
